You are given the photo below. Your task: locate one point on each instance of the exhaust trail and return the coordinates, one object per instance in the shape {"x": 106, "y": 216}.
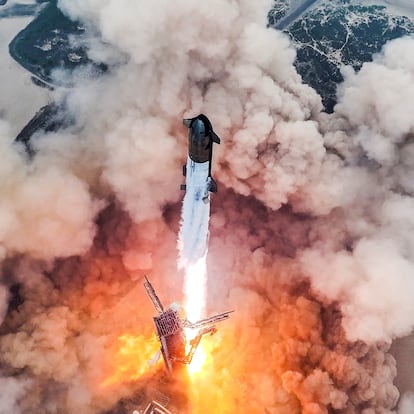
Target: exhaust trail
{"x": 195, "y": 216}
{"x": 194, "y": 231}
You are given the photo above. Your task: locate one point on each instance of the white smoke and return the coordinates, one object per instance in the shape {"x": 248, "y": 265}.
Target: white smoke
{"x": 303, "y": 197}
{"x": 45, "y": 210}
{"x": 406, "y": 405}
{"x": 371, "y": 282}
{"x": 11, "y": 391}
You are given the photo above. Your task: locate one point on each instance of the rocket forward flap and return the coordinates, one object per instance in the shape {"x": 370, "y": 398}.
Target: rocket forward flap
{"x": 187, "y": 122}
{"x": 215, "y": 137}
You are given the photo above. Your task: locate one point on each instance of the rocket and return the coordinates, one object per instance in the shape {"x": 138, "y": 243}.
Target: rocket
{"x": 193, "y": 238}
{"x": 200, "y": 153}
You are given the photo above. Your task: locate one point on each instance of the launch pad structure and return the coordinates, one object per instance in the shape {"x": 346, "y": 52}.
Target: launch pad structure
{"x": 171, "y": 331}
{"x": 153, "y": 407}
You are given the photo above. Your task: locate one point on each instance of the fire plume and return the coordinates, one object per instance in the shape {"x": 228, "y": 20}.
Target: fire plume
{"x": 199, "y": 359}
{"x": 131, "y": 358}
{"x": 194, "y": 305}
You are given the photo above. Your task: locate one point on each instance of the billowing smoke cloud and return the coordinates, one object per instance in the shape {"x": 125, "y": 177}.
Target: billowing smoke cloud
{"x": 407, "y": 404}
{"x": 371, "y": 277}
{"x": 45, "y": 211}
{"x": 310, "y": 233}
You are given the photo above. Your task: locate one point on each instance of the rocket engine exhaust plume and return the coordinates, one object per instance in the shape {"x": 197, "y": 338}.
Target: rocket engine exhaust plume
{"x": 193, "y": 238}
{"x": 195, "y": 216}
{"x": 311, "y": 235}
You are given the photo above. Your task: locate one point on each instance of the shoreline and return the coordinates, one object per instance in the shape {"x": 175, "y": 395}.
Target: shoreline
{"x": 20, "y": 97}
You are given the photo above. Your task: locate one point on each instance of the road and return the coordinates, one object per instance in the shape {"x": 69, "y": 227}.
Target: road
{"x": 294, "y": 14}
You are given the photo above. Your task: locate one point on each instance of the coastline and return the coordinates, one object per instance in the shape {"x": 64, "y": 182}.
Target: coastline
{"x": 20, "y": 97}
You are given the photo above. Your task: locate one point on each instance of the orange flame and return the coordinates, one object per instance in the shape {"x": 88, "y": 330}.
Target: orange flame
{"x": 132, "y": 358}
{"x": 200, "y": 356}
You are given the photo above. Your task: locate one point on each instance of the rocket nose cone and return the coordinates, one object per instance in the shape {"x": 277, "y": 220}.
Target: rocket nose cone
{"x": 197, "y": 128}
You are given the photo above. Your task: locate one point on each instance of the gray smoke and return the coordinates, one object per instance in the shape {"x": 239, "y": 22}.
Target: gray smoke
{"x": 310, "y": 239}
{"x": 406, "y": 405}
{"x": 373, "y": 276}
